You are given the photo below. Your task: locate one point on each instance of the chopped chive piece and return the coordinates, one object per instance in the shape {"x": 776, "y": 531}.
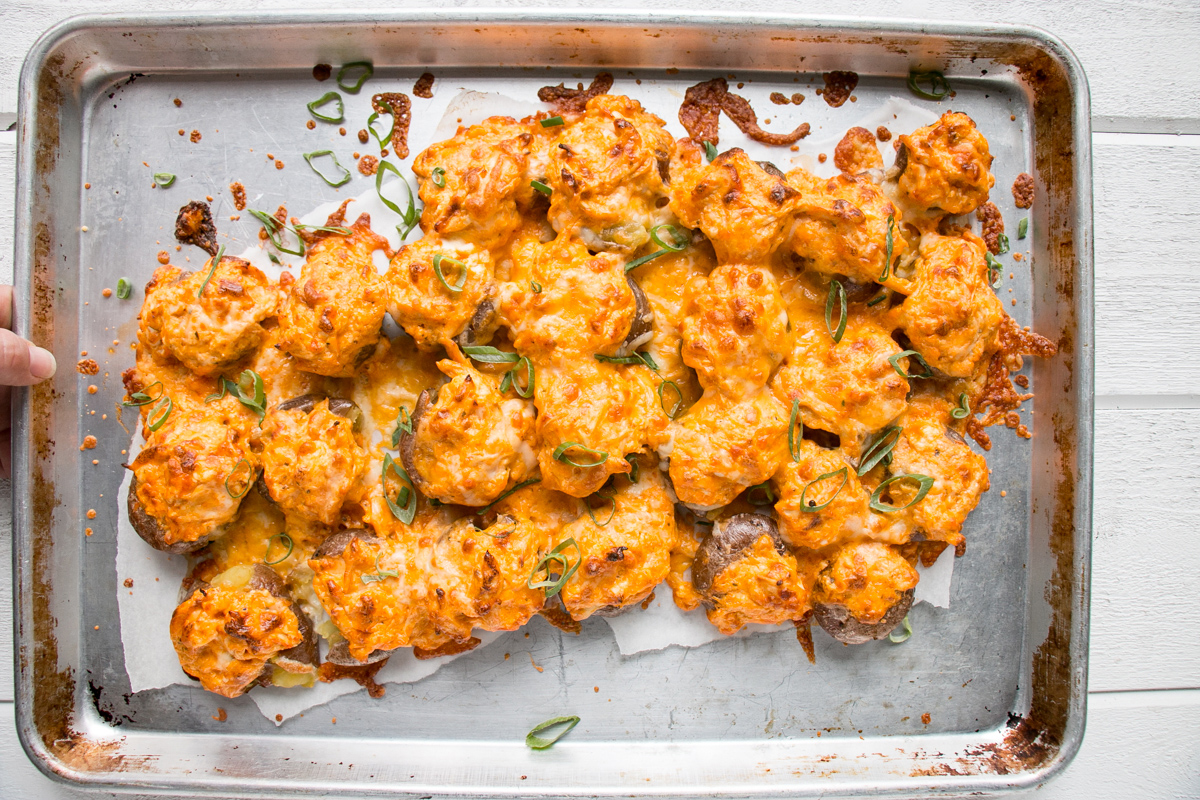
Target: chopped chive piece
{"x": 1023, "y": 228}
{"x": 274, "y": 229}
{"x": 249, "y": 479}
{"x": 637, "y": 262}
{"x": 315, "y": 154}
{"x": 552, "y": 122}
{"x": 879, "y": 298}
{"x": 510, "y": 378}
{"x": 560, "y": 454}
{"x": 793, "y": 447}
{"x": 612, "y": 509}
{"x": 939, "y": 87}
{"x": 677, "y": 408}
{"x": 710, "y": 151}
{"x": 836, "y": 290}
{"x": 681, "y": 239}
{"x": 811, "y": 506}
{"x": 409, "y": 214}
{"x": 284, "y": 540}
{"x": 925, "y": 484}
{"x": 159, "y": 412}
{"x": 214, "y": 261}
{"x": 553, "y": 582}
{"x": 124, "y": 289}
{"x": 457, "y": 286}
{"x": 328, "y": 97}
{"x": 901, "y": 638}
{"x": 878, "y": 449}
{"x": 164, "y": 179}
{"x": 761, "y": 494}
{"x": 439, "y": 177}
{"x": 964, "y": 407}
{"x": 511, "y": 491}
{"x": 368, "y": 69}
{"x": 490, "y": 355}
{"x": 404, "y": 424}
{"x": 891, "y": 243}
{"x": 894, "y": 360}
{"x": 1003, "y": 244}
{"x": 142, "y": 398}
{"x": 541, "y": 187}
{"x": 380, "y": 574}
{"x": 404, "y": 507}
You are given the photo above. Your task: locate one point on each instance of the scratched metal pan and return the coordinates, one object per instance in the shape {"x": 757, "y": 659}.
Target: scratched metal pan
{"x": 987, "y": 695}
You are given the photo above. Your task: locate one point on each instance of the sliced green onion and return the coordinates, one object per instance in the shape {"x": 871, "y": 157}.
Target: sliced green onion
{"x": 274, "y": 228}
{"x": 217, "y": 395}
{"x": 592, "y": 512}
{"x": 368, "y": 70}
{"x": 879, "y": 298}
{"x": 551, "y": 584}
{"x": 541, "y": 187}
{"x": 964, "y": 407}
{"x": 457, "y": 286}
{"x": 124, "y": 289}
{"x": 560, "y": 454}
{"x": 925, "y": 482}
{"x": 285, "y": 540}
{"x": 551, "y": 122}
{"x": 338, "y": 229}
{"x": 379, "y": 574}
{"x": 249, "y": 479}
{"x": 1002, "y": 244}
{"x": 164, "y": 179}
{"x": 710, "y": 151}
{"x": 939, "y": 87}
{"x": 810, "y": 506}
{"x": 513, "y": 490}
{"x": 995, "y": 269}
{"x": 903, "y": 637}
{"x": 215, "y": 260}
{"x": 637, "y": 262}
{"x": 879, "y": 448}
{"x": 403, "y": 425}
{"x": 1023, "y": 228}
{"x": 386, "y": 138}
{"x": 761, "y": 494}
{"x": 681, "y": 240}
{"x": 636, "y": 358}
{"x": 487, "y": 354}
{"x": 793, "y": 447}
{"x": 404, "y": 507}
{"x": 164, "y": 405}
{"x": 142, "y": 398}
{"x": 677, "y": 408}
{"x": 536, "y": 287}
{"x": 894, "y": 360}
{"x": 328, "y": 97}
{"x": 409, "y": 215}
{"x": 635, "y": 468}
{"x": 249, "y": 392}
{"x": 836, "y": 290}
{"x": 439, "y": 177}
{"x": 315, "y": 154}
{"x": 510, "y": 378}
{"x": 891, "y": 243}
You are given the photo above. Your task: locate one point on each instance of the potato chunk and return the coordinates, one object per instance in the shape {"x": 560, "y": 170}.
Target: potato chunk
{"x": 946, "y": 166}
{"x": 433, "y": 310}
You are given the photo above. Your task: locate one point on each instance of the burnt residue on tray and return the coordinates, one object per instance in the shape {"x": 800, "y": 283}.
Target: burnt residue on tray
{"x": 991, "y": 226}
{"x": 575, "y": 100}
{"x": 424, "y": 86}
{"x": 838, "y": 86}
{"x": 322, "y": 72}
{"x": 703, "y": 104}
{"x": 400, "y": 107}
{"x": 1022, "y": 190}
{"x": 194, "y": 225}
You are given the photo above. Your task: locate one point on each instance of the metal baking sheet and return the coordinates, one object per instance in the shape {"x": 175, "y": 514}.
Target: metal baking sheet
{"x": 1001, "y": 675}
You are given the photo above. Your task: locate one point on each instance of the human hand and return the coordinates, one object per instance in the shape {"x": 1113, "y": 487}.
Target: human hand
{"x": 21, "y": 364}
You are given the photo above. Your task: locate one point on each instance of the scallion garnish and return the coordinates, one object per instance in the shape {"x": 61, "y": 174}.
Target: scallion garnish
{"x": 368, "y": 70}
{"x": 457, "y": 286}
{"x": 552, "y": 122}
{"x": 248, "y": 482}
{"x": 891, "y": 243}
{"x": 487, "y": 354}
{"x": 124, "y": 289}
{"x": 541, "y": 187}
{"x": 249, "y": 392}
{"x": 553, "y": 585}
{"x": 274, "y": 229}
{"x": 142, "y": 398}
{"x": 677, "y": 407}
{"x": 811, "y": 506}
{"x": 379, "y": 574}
{"x": 939, "y": 87}
{"x": 879, "y": 298}
{"x": 315, "y": 154}
{"x": 371, "y": 120}
{"x": 439, "y": 177}
{"x": 925, "y": 484}
{"x": 560, "y": 454}
{"x": 903, "y": 637}
{"x": 635, "y": 469}
{"x": 1023, "y": 228}
{"x": 710, "y": 151}
{"x": 612, "y": 509}
{"x": 964, "y": 407}
{"x": 535, "y": 287}
{"x": 894, "y": 360}
{"x": 636, "y": 358}
{"x": 761, "y": 494}
{"x": 535, "y": 742}
{"x": 637, "y": 262}
{"x": 1002, "y": 244}
{"x": 995, "y": 269}
{"x": 514, "y": 489}
{"x": 164, "y": 179}
{"x": 409, "y": 215}
{"x": 680, "y": 239}
{"x": 403, "y": 425}
{"x": 510, "y": 378}
{"x": 793, "y": 447}
{"x": 878, "y": 449}
{"x": 836, "y": 290}
{"x": 214, "y": 261}
{"x": 404, "y": 507}
{"x": 159, "y": 412}
{"x": 338, "y": 229}
{"x": 284, "y": 540}
{"x": 328, "y": 97}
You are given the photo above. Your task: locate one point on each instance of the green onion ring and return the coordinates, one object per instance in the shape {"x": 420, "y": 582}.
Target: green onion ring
{"x": 439, "y": 177}
{"x": 535, "y": 287}
{"x": 635, "y": 468}
{"x": 511, "y": 491}
{"x": 560, "y": 454}
{"x": 487, "y": 354}
{"x": 143, "y": 397}
{"x": 964, "y": 407}
{"x": 637, "y": 262}
{"x": 164, "y": 179}
{"x": 541, "y": 187}
{"x": 315, "y": 154}
{"x": 281, "y": 537}
{"x": 766, "y": 499}
{"x": 274, "y": 229}
{"x": 793, "y": 448}
{"x": 215, "y": 260}
{"x": 249, "y": 481}
{"x": 844, "y": 472}
{"x": 511, "y": 378}
{"x": 371, "y": 120}
{"x": 368, "y": 70}
{"x": 926, "y": 483}
{"x": 552, "y": 122}
{"x": 1002, "y": 244}
{"x": 675, "y": 234}
{"x": 409, "y": 215}
{"x": 903, "y": 637}
{"x": 457, "y": 286}
{"x": 938, "y": 85}
{"x": 407, "y": 494}
{"x": 675, "y": 409}
{"x": 887, "y": 264}
{"x": 836, "y": 290}
{"x": 592, "y": 512}
{"x": 164, "y": 403}
{"x": 379, "y": 574}
{"x": 124, "y": 289}
{"x": 554, "y": 586}
{"x": 322, "y": 100}
{"x": 894, "y": 360}
{"x": 879, "y": 448}
{"x": 1023, "y": 228}
{"x": 710, "y": 151}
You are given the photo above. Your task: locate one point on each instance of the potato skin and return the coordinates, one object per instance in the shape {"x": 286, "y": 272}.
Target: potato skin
{"x": 726, "y": 543}
{"x": 152, "y": 532}
{"x": 839, "y": 623}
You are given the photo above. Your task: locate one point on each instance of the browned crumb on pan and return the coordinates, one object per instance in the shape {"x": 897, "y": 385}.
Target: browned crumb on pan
{"x": 448, "y": 649}
{"x": 702, "y": 107}
{"x": 310, "y": 125}
{"x": 779, "y": 98}
{"x": 857, "y": 152}
{"x": 1022, "y": 190}
{"x": 364, "y": 676}
{"x": 838, "y": 86}
{"x": 804, "y": 636}
{"x": 363, "y": 136}
{"x": 89, "y": 443}
{"x": 178, "y": 102}
{"x": 368, "y": 165}
{"x": 424, "y": 85}
{"x": 400, "y": 107}
{"x": 279, "y": 163}
{"x": 87, "y": 366}
{"x": 322, "y": 72}
{"x": 560, "y": 619}
{"x": 738, "y": 109}
{"x": 164, "y": 257}
{"x": 797, "y": 98}
{"x": 575, "y": 100}
{"x": 239, "y": 195}
{"x": 194, "y": 225}
{"x": 195, "y": 137}
{"x": 991, "y": 225}
{"x": 883, "y": 134}
{"x": 998, "y": 398}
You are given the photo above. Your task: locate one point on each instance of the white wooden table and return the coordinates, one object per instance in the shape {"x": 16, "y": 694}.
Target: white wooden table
{"x": 1143, "y": 63}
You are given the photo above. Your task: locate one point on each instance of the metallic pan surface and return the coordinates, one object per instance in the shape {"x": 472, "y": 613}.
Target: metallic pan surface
{"x": 1001, "y": 675}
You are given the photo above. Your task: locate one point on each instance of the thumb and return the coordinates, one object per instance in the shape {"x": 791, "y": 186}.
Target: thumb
{"x": 22, "y": 363}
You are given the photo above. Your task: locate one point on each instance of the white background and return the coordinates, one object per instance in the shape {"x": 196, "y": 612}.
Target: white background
{"x": 1142, "y": 59}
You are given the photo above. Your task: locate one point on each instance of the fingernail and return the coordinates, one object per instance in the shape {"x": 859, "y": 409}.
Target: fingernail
{"x": 41, "y": 363}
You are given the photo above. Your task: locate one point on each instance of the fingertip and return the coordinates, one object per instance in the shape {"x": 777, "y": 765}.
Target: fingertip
{"x": 42, "y": 364}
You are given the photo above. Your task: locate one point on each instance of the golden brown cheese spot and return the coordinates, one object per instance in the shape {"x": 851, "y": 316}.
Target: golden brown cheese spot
{"x": 394, "y": 376}
{"x": 225, "y": 636}
{"x": 735, "y": 329}
{"x": 472, "y": 442}
{"x": 857, "y": 152}
{"x": 254, "y": 537}
{"x": 626, "y": 557}
{"x": 281, "y": 373}
{"x": 742, "y": 209}
{"x": 762, "y": 587}
{"x": 611, "y": 409}
{"x": 331, "y": 316}
{"x": 952, "y": 317}
{"x": 426, "y": 307}
{"x": 948, "y": 166}
{"x": 721, "y": 447}
{"x": 483, "y": 178}
{"x": 867, "y": 578}
{"x": 206, "y": 331}
{"x": 311, "y": 462}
